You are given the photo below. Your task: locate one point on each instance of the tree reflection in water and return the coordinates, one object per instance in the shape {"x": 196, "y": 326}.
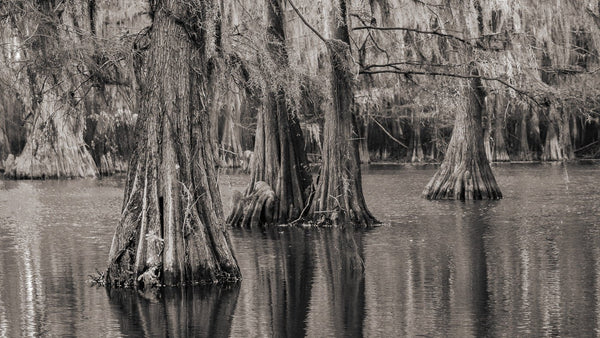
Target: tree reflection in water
{"x": 175, "y": 312}
{"x": 299, "y": 282}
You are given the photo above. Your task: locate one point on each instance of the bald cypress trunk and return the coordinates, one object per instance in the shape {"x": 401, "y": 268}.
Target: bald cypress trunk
{"x": 500, "y": 107}
{"x": 279, "y": 188}
{"x": 524, "y": 151}
{"x": 171, "y": 230}
{"x": 558, "y": 145}
{"x": 465, "y": 173}
{"x": 338, "y": 198}
{"x": 53, "y": 92}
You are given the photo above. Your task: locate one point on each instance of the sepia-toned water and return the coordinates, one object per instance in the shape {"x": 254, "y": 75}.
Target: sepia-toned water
{"x": 528, "y": 265}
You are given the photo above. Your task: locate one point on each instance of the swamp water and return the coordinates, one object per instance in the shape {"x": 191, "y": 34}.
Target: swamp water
{"x": 528, "y": 265}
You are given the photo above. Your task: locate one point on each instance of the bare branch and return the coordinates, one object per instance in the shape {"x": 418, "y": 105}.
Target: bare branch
{"x": 306, "y": 22}
{"x": 461, "y": 76}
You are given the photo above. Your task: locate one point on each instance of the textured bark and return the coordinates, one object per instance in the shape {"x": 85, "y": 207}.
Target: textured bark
{"x": 465, "y": 173}
{"x": 231, "y": 153}
{"x": 363, "y": 133}
{"x": 495, "y": 144}
{"x": 524, "y": 153}
{"x": 416, "y": 145}
{"x": 558, "y": 145}
{"x": 339, "y": 199}
{"x": 279, "y": 189}
{"x": 171, "y": 230}
{"x": 4, "y": 142}
{"x": 534, "y": 135}
{"x": 500, "y": 152}
{"x": 52, "y": 97}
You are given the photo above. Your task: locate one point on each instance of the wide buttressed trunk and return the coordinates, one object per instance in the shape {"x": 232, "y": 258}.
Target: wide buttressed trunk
{"x": 279, "y": 189}
{"x": 55, "y": 146}
{"x": 338, "y": 198}
{"x": 465, "y": 173}
{"x": 171, "y": 230}
{"x": 52, "y": 90}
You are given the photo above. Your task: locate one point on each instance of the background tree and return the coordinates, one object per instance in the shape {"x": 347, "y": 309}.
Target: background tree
{"x": 338, "y": 198}
{"x": 45, "y": 76}
{"x": 465, "y": 172}
{"x": 279, "y": 188}
{"x": 171, "y": 230}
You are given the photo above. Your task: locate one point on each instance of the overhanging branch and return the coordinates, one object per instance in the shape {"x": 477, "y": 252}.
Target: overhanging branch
{"x": 460, "y": 76}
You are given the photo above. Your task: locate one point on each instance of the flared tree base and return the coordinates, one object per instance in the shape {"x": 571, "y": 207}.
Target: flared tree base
{"x": 471, "y": 182}
{"x": 60, "y": 162}
{"x": 255, "y": 209}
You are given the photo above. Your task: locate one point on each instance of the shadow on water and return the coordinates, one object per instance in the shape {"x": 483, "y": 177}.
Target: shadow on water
{"x": 175, "y": 312}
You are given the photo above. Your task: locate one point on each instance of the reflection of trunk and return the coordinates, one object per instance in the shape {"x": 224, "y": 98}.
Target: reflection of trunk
{"x": 465, "y": 172}
{"x": 171, "y": 229}
{"x": 339, "y": 197}
{"x": 278, "y": 191}
{"x": 558, "y": 146}
{"x": 346, "y": 279}
{"x": 280, "y": 265}
{"x": 340, "y": 271}
{"x": 175, "y": 312}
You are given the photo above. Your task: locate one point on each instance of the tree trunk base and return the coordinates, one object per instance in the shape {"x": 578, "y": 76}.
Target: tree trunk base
{"x": 67, "y": 162}
{"x": 472, "y": 182}
{"x": 257, "y": 208}
{"x": 110, "y": 165}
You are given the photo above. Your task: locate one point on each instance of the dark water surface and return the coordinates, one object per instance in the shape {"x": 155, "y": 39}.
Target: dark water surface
{"x": 528, "y": 265}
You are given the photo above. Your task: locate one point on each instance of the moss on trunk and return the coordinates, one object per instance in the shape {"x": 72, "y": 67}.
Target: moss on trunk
{"x": 172, "y": 230}
{"x": 465, "y": 173}
{"x": 338, "y": 198}
{"x": 279, "y": 189}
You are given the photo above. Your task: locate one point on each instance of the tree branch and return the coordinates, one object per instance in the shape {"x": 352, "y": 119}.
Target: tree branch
{"x": 478, "y": 41}
{"x": 460, "y": 76}
{"x": 306, "y": 22}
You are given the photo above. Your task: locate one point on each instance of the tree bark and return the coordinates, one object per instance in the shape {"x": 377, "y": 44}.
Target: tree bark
{"x": 363, "y": 132}
{"x": 558, "y": 145}
{"x": 524, "y": 152}
{"x": 500, "y": 152}
{"x": 53, "y": 95}
{"x": 171, "y": 230}
{"x": 339, "y": 199}
{"x": 279, "y": 188}
{"x": 465, "y": 173}
{"x": 416, "y": 144}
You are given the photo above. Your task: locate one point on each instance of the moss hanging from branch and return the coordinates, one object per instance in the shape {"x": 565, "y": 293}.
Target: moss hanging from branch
{"x": 465, "y": 173}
